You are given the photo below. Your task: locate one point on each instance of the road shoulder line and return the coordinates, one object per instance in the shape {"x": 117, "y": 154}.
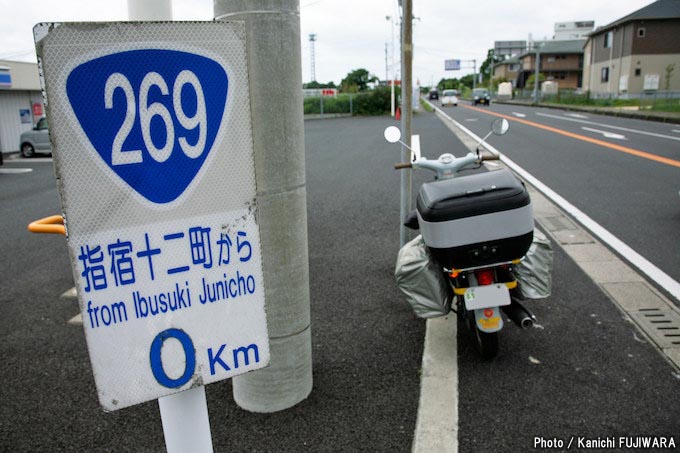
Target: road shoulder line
{"x": 437, "y": 423}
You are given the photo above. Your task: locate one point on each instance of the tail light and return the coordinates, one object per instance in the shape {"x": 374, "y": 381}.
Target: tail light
{"x": 484, "y": 277}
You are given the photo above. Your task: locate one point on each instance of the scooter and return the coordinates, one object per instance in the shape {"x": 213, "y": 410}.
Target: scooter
{"x": 477, "y": 226}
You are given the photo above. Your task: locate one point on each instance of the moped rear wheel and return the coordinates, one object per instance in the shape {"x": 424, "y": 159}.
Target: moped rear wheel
{"x": 486, "y": 344}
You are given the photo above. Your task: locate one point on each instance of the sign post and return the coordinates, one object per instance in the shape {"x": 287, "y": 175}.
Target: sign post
{"x": 152, "y": 142}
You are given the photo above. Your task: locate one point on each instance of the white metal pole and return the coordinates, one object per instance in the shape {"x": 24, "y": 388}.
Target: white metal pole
{"x": 186, "y": 424}
{"x": 149, "y": 9}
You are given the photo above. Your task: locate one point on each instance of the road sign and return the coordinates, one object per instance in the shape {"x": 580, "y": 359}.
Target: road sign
{"x": 452, "y": 65}
{"x": 153, "y": 150}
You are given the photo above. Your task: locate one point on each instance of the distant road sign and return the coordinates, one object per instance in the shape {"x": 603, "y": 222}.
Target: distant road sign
{"x": 152, "y": 143}
{"x": 452, "y": 65}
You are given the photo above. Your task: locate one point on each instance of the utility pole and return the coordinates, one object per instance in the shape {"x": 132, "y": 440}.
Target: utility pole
{"x": 474, "y": 74}
{"x": 312, "y": 40}
{"x": 392, "y": 95}
{"x": 536, "y": 73}
{"x": 278, "y": 141}
{"x": 387, "y": 67}
{"x": 407, "y": 112}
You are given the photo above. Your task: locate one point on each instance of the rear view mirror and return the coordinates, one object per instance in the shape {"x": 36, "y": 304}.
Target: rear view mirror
{"x": 392, "y": 134}
{"x": 500, "y": 126}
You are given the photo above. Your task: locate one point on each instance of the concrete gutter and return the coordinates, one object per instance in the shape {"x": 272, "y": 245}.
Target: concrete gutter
{"x": 648, "y": 115}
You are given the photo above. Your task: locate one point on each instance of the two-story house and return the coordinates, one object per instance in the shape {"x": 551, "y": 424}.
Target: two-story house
{"x": 636, "y": 54}
{"x": 507, "y": 69}
{"x": 558, "y": 61}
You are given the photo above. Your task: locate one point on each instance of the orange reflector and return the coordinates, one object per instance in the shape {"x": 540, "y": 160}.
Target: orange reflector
{"x": 488, "y": 312}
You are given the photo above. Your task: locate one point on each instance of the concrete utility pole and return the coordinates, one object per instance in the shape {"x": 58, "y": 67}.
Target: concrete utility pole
{"x": 537, "y": 74}
{"x": 407, "y": 112}
{"x": 274, "y": 64}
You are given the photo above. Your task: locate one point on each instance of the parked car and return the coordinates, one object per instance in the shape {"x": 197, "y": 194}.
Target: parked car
{"x": 449, "y": 97}
{"x": 433, "y": 95}
{"x": 481, "y": 96}
{"x": 36, "y": 140}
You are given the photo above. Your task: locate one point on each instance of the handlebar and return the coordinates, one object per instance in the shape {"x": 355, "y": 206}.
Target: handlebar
{"x": 483, "y": 158}
{"x": 403, "y": 165}
{"x": 447, "y": 165}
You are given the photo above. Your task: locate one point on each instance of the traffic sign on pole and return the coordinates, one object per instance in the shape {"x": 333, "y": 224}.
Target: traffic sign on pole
{"x": 152, "y": 141}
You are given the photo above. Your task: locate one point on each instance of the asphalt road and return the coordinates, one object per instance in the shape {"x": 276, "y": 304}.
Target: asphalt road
{"x": 585, "y": 372}
{"x": 631, "y": 195}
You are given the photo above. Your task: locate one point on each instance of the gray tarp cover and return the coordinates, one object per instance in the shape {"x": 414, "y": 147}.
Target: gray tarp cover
{"x": 422, "y": 281}
{"x": 534, "y": 273}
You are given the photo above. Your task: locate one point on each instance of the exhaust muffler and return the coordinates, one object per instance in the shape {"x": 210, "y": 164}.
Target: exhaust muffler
{"x": 519, "y": 314}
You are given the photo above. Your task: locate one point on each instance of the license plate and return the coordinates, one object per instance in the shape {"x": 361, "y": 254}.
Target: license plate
{"x": 477, "y": 297}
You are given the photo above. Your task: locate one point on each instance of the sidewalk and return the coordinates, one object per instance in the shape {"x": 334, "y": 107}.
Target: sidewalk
{"x": 625, "y": 112}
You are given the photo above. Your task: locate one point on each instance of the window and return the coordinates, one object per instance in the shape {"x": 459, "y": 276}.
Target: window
{"x": 638, "y": 72}
{"x": 42, "y": 124}
{"x": 608, "y": 38}
{"x": 641, "y": 33}
{"x": 604, "y": 75}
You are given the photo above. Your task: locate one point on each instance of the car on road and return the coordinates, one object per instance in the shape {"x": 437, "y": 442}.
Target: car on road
{"x": 450, "y": 97}
{"x": 36, "y": 140}
{"x": 481, "y": 96}
{"x": 433, "y": 94}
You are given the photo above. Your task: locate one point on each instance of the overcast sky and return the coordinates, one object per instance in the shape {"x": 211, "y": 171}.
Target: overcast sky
{"x": 352, "y": 34}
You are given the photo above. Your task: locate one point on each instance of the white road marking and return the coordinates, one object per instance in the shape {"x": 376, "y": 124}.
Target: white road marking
{"x": 605, "y": 133}
{"x": 437, "y": 423}
{"x": 519, "y": 115}
{"x": 677, "y": 131}
{"x": 472, "y": 119}
{"x": 576, "y": 115}
{"x": 11, "y": 171}
{"x": 625, "y": 129}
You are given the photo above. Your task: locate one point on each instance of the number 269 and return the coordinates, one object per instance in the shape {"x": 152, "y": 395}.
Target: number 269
{"x": 148, "y": 112}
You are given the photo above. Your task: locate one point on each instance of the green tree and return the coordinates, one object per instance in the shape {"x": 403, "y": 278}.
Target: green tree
{"x": 317, "y": 85}
{"x": 532, "y": 77}
{"x": 357, "y": 81}
{"x": 448, "y": 84}
{"x": 487, "y": 66}
{"x": 467, "y": 80}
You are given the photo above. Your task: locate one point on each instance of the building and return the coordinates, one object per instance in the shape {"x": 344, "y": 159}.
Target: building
{"x": 505, "y": 49}
{"x": 507, "y": 69}
{"x": 567, "y": 31}
{"x": 637, "y": 54}
{"x": 559, "y": 61}
{"x": 21, "y": 102}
